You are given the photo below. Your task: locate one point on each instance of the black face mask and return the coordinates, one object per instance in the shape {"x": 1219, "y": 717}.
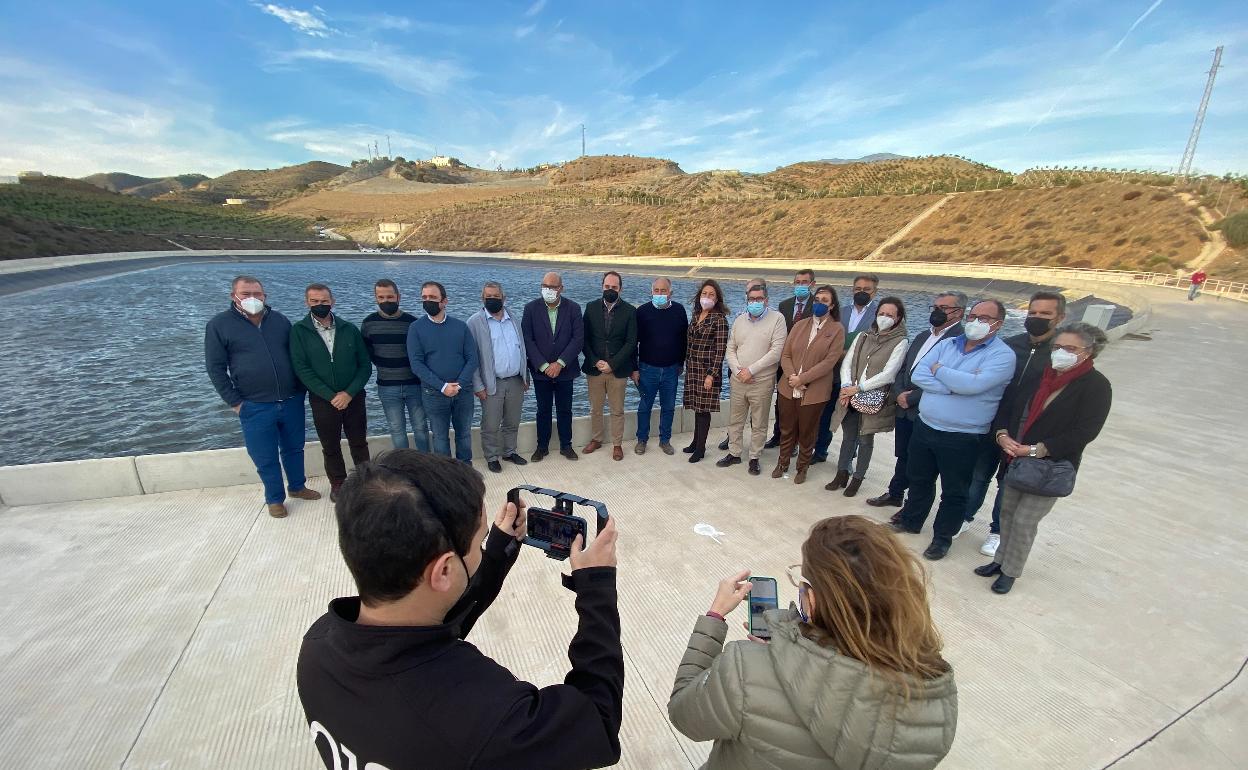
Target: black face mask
{"x": 493, "y": 305}
{"x": 389, "y": 308}
{"x": 861, "y": 298}
{"x": 432, "y": 307}
{"x": 1037, "y": 327}
{"x": 610, "y": 295}
{"x": 320, "y": 311}
{"x": 938, "y": 317}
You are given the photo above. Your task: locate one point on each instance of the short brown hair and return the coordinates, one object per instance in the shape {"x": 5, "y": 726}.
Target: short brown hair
{"x": 318, "y": 287}
{"x": 386, "y": 283}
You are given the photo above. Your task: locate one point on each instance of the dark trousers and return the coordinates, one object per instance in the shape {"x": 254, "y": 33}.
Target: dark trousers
{"x": 951, "y": 458}
{"x": 558, "y": 393}
{"x": 331, "y": 423}
{"x": 825, "y": 427}
{"x": 986, "y": 465}
{"x": 903, "y": 428}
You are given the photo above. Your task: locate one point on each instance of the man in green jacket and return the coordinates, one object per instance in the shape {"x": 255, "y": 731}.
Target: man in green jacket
{"x": 330, "y": 359}
{"x": 610, "y": 357}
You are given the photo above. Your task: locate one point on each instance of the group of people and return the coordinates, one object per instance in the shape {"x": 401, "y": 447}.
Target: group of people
{"x": 959, "y": 396}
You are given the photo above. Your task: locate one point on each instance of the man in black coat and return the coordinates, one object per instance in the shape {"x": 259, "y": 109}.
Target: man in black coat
{"x": 386, "y": 678}
{"x": 610, "y": 352}
{"x": 554, "y": 334}
{"x": 946, "y": 323}
{"x": 793, "y": 309}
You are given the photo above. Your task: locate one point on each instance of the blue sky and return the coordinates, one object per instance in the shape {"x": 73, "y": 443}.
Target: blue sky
{"x": 158, "y": 88}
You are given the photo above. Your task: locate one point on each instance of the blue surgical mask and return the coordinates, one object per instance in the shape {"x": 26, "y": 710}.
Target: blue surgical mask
{"x": 755, "y": 308}
{"x": 659, "y": 300}
{"x": 801, "y": 609}
{"x": 820, "y": 309}
{"x": 801, "y": 291}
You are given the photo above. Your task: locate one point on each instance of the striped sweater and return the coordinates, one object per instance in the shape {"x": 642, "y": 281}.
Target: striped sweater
{"x": 386, "y": 340}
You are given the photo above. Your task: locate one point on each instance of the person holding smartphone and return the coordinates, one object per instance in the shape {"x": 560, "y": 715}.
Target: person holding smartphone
{"x": 829, "y": 689}
{"x": 386, "y": 678}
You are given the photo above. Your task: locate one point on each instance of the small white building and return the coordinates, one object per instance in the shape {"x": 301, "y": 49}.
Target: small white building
{"x": 445, "y": 161}
{"x": 235, "y": 201}
{"x": 389, "y": 232}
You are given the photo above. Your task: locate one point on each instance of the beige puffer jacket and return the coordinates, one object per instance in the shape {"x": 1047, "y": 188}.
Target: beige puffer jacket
{"x": 794, "y": 704}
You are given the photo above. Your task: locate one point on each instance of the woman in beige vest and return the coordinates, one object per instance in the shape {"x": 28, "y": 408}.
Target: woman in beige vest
{"x": 811, "y": 352}
{"x": 872, "y": 364}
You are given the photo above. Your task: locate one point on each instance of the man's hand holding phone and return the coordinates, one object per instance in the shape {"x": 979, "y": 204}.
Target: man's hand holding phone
{"x": 513, "y": 519}
{"x": 600, "y": 553}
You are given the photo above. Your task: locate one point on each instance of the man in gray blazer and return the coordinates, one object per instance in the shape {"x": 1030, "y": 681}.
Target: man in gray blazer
{"x": 501, "y": 379}
{"x": 946, "y": 323}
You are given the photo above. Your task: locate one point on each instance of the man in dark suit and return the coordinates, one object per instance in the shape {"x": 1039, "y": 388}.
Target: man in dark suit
{"x": 946, "y": 323}
{"x": 553, "y": 337}
{"x": 610, "y": 347}
{"x": 793, "y": 309}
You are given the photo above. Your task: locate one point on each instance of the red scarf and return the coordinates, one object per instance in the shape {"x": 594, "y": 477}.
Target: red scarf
{"x": 1051, "y": 382}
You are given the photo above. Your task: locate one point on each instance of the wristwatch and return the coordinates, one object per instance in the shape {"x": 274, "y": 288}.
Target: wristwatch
{"x": 1031, "y": 452}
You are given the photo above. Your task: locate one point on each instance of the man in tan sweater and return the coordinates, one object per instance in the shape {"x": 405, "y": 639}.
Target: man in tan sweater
{"x": 753, "y": 355}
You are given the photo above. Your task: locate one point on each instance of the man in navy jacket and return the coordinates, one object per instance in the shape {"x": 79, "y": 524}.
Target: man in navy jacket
{"x": 247, "y": 354}
{"x": 554, "y": 333}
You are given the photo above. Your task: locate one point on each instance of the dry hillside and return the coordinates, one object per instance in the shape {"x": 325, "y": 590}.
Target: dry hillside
{"x": 613, "y": 169}
{"x": 144, "y": 187}
{"x": 940, "y": 173}
{"x": 262, "y": 185}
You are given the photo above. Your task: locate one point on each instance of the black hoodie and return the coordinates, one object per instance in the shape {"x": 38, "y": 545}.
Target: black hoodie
{"x": 421, "y": 697}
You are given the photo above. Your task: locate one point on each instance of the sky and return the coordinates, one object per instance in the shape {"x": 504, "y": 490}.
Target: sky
{"x": 208, "y": 86}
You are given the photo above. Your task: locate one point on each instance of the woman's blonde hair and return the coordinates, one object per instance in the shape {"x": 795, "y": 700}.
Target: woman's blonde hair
{"x": 871, "y": 599}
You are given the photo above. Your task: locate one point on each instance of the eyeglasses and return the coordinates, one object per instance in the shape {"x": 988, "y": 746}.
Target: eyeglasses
{"x": 985, "y": 318}
{"x": 556, "y": 288}
{"x": 946, "y": 308}
{"x": 1076, "y": 349}
{"x": 794, "y": 573}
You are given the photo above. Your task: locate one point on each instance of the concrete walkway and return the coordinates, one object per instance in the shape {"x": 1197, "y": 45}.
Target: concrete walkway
{"x": 162, "y": 631}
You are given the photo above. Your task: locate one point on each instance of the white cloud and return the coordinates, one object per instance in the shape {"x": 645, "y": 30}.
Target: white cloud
{"x": 525, "y": 31}
{"x": 410, "y": 73}
{"x": 345, "y": 143}
{"x": 301, "y": 21}
{"x": 536, "y": 8}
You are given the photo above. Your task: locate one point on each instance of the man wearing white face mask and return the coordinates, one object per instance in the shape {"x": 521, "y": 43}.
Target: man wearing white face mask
{"x": 247, "y": 354}
{"x": 963, "y": 379}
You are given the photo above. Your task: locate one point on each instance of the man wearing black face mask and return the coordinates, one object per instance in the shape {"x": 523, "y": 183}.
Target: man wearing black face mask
{"x": 330, "y": 359}
{"x": 387, "y": 679}
{"x": 398, "y": 387}
{"x": 444, "y": 357}
{"x": 501, "y": 379}
{"x": 1045, "y": 312}
{"x": 610, "y": 347}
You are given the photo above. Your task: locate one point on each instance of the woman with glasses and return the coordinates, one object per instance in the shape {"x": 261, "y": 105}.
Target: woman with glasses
{"x": 870, "y": 367}
{"x": 1050, "y": 419}
{"x": 812, "y": 350}
{"x": 852, "y": 676}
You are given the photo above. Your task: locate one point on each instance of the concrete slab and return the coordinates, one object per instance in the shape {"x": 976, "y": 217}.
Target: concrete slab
{"x": 161, "y": 630}
{"x": 71, "y": 480}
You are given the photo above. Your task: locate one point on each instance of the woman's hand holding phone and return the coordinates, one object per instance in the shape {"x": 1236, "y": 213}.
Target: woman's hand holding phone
{"x": 731, "y": 591}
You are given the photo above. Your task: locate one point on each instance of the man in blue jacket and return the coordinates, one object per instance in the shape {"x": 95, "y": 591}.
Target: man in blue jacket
{"x": 963, "y": 379}
{"x": 247, "y": 354}
{"x": 444, "y": 357}
{"x": 554, "y": 333}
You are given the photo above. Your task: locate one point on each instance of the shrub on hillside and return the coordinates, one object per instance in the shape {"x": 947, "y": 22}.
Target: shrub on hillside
{"x": 1131, "y": 195}
{"x": 1235, "y": 228}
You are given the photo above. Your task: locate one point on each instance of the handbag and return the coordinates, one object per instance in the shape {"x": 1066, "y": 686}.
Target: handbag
{"x": 869, "y": 401}
{"x": 1042, "y": 477}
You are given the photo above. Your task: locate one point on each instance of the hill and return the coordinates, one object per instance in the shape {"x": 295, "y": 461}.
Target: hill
{"x": 144, "y": 187}
{"x": 873, "y": 158}
{"x": 940, "y": 173}
{"x": 265, "y": 185}
{"x": 614, "y": 169}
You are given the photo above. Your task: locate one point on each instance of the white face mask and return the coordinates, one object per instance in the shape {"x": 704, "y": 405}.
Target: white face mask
{"x": 707, "y": 303}
{"x": 977, "y": 330}
{"x": 885, "y": 322}
{"x": 550, "y": 295}
{"x": 252, "y": 305}
{"x": 1063, "y": 359}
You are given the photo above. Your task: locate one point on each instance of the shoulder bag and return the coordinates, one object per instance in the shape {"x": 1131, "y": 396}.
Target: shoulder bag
{"x": 1041, "y": 476}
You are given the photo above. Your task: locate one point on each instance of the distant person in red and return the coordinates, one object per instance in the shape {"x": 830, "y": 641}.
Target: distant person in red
{"x": 1198, "y": 281}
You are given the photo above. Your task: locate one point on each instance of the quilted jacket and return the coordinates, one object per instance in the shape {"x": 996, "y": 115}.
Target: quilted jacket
{"x": 794, "y": 704}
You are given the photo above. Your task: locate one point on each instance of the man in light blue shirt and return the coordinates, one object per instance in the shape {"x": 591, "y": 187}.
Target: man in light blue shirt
{"x": 501, "y": 378}
{"x": 963, "y": 379}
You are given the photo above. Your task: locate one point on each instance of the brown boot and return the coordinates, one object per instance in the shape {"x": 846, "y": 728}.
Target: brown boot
{"x": 277, "y": 510}
{"x": 838, "y": 481}
{"x": 305, "y": 494}
{"x": 800, "y": 478}
{"x": 779, "y": 470}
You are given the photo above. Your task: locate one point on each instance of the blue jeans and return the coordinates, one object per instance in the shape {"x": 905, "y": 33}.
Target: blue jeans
{"x": 273, "y": 430}
{"x": 986, "y": 464}
{"x": 443, "y": 412}
{"x": 660, "y": 381}
{"x": 401, "y": 402}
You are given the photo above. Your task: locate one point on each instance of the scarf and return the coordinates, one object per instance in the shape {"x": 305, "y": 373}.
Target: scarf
{"x": 1051, "y": 382}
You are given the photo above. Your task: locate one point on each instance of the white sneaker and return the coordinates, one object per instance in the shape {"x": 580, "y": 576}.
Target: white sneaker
{"x": 965, "y": 526}
{"x": 989, "y": 548}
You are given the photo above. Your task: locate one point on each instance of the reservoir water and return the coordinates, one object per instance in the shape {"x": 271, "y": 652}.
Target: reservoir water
{"x": 115, "y": 366}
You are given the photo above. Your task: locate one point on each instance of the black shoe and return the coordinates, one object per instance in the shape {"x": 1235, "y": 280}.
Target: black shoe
{"x": 772, "y": 443}
{"x": 727, "y": 460}
{"x": 838, "y": 481}
{"x": 1002, "y": 584}
{"x": 935, "y": 551}
{"x": 495, "y": 466}
{"x": 696, "y": 455}
{"x": 569, "y": 453}
{"x": 688, "y": 450}
{"x": 883, "y": 500}
{"x": 901, "y": 526}
{"x": 988, "y": 570}
{"x": 539, "y": 455}
{"x": 852, "y": 488}
{"x": 816, "y": 459}
{"x": 723, "y": 445}
{"x": 515, "y": 458}
{"x": 754, "y": 468}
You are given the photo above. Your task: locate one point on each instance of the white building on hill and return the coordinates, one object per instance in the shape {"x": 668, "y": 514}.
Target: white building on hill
{"x": 388, "y": 232}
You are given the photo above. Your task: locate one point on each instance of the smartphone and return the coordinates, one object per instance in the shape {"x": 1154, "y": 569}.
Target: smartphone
{"x": 763, "y": 597}
{"x": 554, "y": 532}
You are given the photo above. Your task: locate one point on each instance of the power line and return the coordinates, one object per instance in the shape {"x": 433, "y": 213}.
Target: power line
{"x": 1185, "y": 165}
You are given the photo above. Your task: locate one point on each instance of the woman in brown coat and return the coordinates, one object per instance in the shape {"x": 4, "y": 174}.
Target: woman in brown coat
{"x": 813, "y": 349}
{"x": 706, "y": 342}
